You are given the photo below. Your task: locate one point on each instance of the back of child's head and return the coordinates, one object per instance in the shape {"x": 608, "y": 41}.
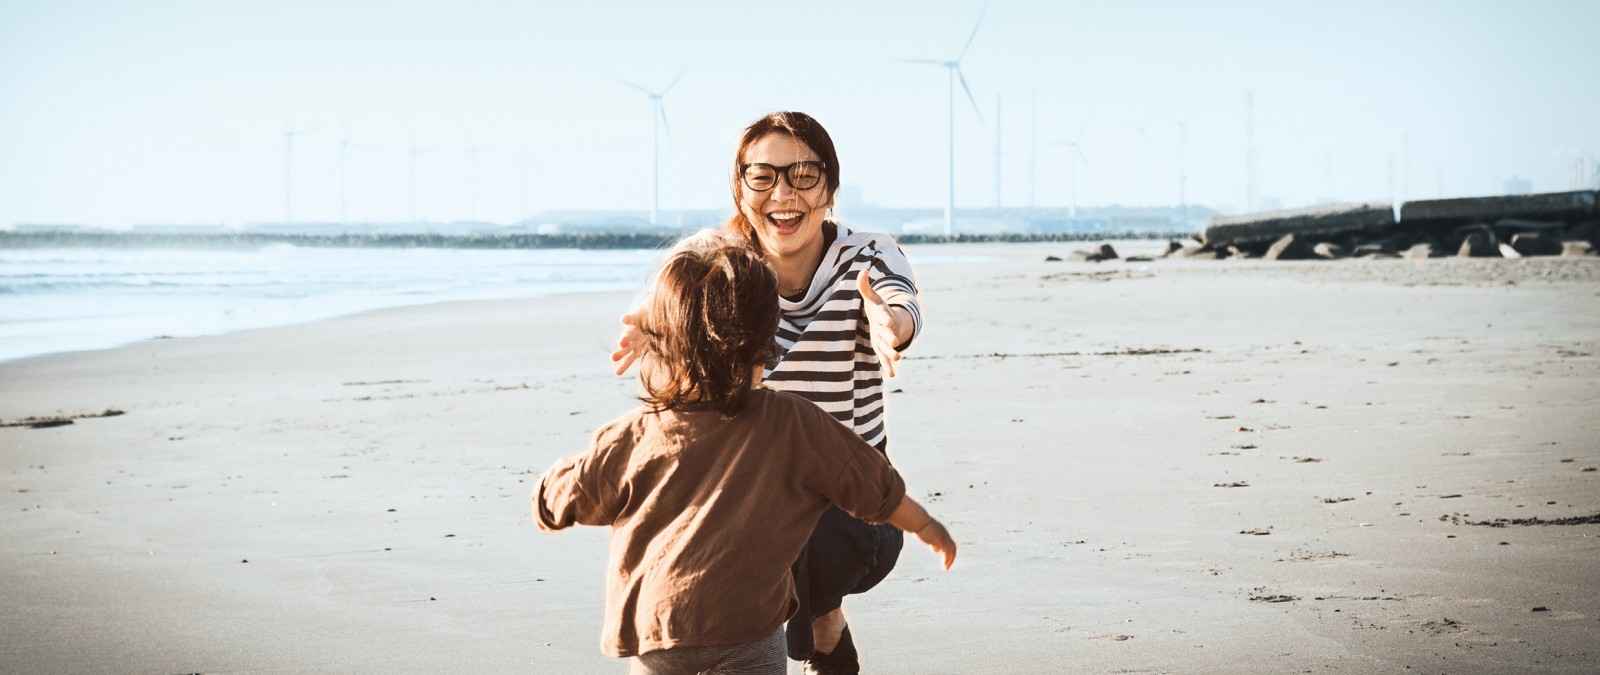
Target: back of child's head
{"x": 710, "y": 319}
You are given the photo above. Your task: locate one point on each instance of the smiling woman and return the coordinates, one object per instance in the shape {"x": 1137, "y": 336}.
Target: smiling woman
{"x": 848, "y": 305}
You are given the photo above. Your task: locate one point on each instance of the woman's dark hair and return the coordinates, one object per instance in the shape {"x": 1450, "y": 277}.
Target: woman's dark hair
{"x": 710, "y": 319}
{"x": 803, "y": 128}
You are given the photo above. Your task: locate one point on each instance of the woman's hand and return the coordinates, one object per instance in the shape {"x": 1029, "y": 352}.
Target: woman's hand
{"x": 889, "y": 326}
{"x": 630, "y": 343}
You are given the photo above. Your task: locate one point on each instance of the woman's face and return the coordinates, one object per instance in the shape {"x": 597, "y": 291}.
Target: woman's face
{"x": 787, "y": 221}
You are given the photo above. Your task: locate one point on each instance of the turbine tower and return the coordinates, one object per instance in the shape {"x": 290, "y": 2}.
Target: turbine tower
{"x": 346, "y": 145}
{"x": 1183, "y": 175}
{"x": 344, "y": 159}
{"x": 997, "y": 154}
{"x": 524, "y": 165}
{"x": 472, "y": 151}
{"x": 1075, "y": 165}
{"x": 1250, "y": 152}
{"x": 412, "y": 153}
{"x": 953, "y": 70}
{"x": 658, "y": 110}
{"x": 1033, "y": 152}
{"x": 289, "y": 135}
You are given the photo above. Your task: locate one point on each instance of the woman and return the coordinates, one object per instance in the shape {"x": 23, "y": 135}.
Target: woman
{"x": 848, "y": 305}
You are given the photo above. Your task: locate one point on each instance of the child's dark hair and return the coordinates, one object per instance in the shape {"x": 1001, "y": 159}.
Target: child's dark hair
{"x": 710, "y": 319}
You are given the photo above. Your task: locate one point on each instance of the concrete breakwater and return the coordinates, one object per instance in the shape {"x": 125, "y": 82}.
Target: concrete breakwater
{"x": 1512, "y": 226}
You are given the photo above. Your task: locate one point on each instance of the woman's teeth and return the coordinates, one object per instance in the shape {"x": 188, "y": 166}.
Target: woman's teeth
{"x": 785, "y": 218}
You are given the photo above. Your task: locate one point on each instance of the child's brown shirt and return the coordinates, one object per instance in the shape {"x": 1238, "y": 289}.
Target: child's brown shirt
{"x": 707, "y": 514}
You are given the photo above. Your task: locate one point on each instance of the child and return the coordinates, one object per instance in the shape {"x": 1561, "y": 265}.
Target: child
{"x": 713, "y": 485}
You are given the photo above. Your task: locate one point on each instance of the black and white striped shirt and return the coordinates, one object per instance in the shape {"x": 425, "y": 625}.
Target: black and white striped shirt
{"x": 824, "y": 352}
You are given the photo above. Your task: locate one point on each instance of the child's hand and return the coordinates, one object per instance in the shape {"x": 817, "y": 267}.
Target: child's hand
{"x": 937, "y": 538}
{"x": 630, "y": 343}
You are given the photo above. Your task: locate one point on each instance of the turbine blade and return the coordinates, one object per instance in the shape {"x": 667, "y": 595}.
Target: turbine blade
{"x": 661, "y": 107}
{"x": 626, "y": 83}
{"x": 970, "y": 97}
{"x": 974, "y": 34}
{"x": 674, "y": 83}
{"x": 929, "y": 62}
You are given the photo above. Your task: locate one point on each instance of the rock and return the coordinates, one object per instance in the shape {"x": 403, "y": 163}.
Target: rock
{"x": 1107, "y": 253}
{"x": 1329, "y": 250}
{"x": 1084, "y": 256}
{"x": 1328, "y": 219}
{"x": 1286, "y": 248}
{"x": 1051, "y": 258}
{"x": 1172, "y": 247}
{"x": 1534, "y": 243}
{"x": 1573, "y": 249}
{"x": 1233, "y": 251}
{"x": 1479, "y": 242}
{"x": 1508, "y": 252}
{"x": 1197, "y": 251}
{"x": 1420, "y": 251}
{"x": 1139, "y": 258}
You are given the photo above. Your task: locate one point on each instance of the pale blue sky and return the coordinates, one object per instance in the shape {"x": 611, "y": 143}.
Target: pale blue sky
{"x": 119, "y": 113}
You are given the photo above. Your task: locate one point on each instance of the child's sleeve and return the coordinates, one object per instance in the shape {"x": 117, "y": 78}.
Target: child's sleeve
{"x": 892, "y": 278}
{"x": 587, "y": 488}
{"x": 844, "y": 469}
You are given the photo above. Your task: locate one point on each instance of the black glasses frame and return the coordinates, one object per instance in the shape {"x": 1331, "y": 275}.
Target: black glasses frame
{"x": 785, "y": 172}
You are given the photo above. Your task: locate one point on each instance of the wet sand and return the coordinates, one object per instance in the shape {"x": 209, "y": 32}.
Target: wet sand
{"x": 1176, "y": 466}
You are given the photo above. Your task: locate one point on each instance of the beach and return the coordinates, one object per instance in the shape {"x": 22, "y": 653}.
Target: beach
{"x": 1169, "y": 466}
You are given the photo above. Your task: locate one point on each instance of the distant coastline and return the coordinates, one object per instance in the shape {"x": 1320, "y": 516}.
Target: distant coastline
{"x": 618, "y": 241}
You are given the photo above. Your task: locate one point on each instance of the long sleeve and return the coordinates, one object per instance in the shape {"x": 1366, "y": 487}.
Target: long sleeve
{"x": 587, "y": 488}
{"x": 844, "y": 469}
{"x": 892, "y": 278}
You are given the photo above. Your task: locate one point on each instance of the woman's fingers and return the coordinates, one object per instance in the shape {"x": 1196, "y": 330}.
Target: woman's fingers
{"x": 864, "y": 286}
{"x": 883, "y": 345}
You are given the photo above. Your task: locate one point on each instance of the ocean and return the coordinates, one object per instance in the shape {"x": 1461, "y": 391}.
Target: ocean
{"x": 70, "y": 299}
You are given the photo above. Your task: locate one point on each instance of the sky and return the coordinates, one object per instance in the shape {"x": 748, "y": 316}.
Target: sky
{"x": 115, "y": 114}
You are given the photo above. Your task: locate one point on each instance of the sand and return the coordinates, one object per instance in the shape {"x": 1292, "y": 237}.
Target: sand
{"x": 351, "y": 495}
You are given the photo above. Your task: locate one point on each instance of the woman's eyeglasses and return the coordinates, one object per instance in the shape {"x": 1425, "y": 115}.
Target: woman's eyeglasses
{"x": 801, "y": 175}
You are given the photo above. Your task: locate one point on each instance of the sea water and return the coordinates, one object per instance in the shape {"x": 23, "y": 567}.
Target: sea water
{"x": 69, "y": 299}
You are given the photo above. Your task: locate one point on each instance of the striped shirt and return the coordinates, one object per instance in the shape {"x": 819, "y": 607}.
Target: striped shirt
{"x": 824, "y": 351}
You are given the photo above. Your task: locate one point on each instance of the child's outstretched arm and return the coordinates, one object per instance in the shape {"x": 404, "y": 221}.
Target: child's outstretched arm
{"x": 911, "y": 517}
{"x": 587, "y": 488}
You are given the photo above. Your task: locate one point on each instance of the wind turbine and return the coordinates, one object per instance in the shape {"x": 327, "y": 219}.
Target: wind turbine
{"x": 953, "y": 69}
{"x": 524, "y": 164}
{"x": 1183, "y": 175}
{"x": 346, "y": 144}
{"x": 657, "y": 110}
{"x": 1033, "y": 151}
{"x": 1075, "y": 164}
{"x": 472, "y": 152}
{"x": 412, "y": 153}
{"x": 997, "y": 154}
{"x": 1075, "y": 161}
{"x": 289, "y": 134}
